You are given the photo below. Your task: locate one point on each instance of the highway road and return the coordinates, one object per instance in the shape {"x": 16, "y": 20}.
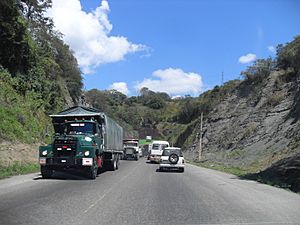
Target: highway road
{"x": 138, "y": 194}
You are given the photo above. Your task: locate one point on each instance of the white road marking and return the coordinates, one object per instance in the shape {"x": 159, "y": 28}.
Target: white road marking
{"x": 108, "y": 191}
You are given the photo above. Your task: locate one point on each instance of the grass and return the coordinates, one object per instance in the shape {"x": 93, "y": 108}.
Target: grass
{"x": 238, "y": 171}
{"x": 18, "y": 168}
{"x": 249, "y": 173}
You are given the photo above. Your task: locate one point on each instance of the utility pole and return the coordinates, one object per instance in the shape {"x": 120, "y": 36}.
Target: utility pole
{"x": 200, "y": 139}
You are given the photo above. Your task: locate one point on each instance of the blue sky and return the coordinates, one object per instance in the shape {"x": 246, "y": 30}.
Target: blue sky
{"x": 180, "y": 47}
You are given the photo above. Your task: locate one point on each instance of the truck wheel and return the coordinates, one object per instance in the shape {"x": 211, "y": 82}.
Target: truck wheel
{"x": 92, "y": 172}
{"x": 114, "y": 165}
{"x": 46, "y": 172}
{"x": 137, "y": 158}
{"x": 117, "y": 164}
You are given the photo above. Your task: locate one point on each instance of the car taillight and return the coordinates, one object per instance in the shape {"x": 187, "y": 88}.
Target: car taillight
{"x": 183, "y": 161}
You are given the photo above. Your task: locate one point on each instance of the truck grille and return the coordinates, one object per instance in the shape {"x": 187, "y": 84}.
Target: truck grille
{"x": 64, "y": 148}
{"x": 129, "y": 151}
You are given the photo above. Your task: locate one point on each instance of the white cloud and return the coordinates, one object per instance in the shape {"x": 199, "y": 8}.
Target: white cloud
{"x": 247, "y": 58}
{"x": 119, "y": 86}
{"x": 272, "y": 49}
{"x": 88, "y": 34}
{"x": 174, "y": 82}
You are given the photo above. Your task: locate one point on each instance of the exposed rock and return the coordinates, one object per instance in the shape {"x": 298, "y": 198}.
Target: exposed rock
{"x": 254, "y": 122}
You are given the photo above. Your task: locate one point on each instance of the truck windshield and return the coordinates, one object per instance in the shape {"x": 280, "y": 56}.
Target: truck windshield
{"x": 80, "y": 128}
{"x": 131, "y": 144}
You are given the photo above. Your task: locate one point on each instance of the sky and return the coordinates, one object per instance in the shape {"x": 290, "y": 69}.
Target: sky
{"x": 174, "y": 46}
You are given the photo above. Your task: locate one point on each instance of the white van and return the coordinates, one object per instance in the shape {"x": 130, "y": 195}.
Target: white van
{"x": 156, "y": 150}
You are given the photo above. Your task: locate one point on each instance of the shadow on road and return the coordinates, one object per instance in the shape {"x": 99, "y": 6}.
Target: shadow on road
{"x": 167, "y": 171}
{"x": 67, "y": 175}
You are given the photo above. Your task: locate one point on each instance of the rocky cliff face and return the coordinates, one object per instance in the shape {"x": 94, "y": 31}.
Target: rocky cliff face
{"x": 257, "y": 123}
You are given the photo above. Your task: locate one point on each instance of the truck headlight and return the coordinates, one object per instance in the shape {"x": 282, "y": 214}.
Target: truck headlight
{"x": 44, "y": 152}
{"x": 86, "y": 153}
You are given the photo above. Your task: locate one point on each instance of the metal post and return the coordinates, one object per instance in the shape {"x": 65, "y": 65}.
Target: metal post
{"x": 200, "y": 140}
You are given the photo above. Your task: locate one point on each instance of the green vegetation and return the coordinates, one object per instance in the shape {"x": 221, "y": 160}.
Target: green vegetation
{"x": 22, "y": 117}
{"x": 39, "y": 75}
{"x": 144, "y": 142}
{"x": 238, "y": 171}
{"x": 17, "y": 168}
{"x": 176, "y": 120}
{"x": 249, "y": 173}
{"x": 38, "y": 72}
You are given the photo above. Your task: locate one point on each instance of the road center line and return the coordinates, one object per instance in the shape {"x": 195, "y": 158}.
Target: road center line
{"x": 109, "y": 190}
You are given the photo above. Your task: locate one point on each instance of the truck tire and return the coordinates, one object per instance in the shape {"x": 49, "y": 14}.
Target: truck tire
{"x": 111, "y": 165}
{"x": 137, "y": 158}
{"x": 114, "y": 165}
{"x": 117, "y": 164}
{"x": 46, "y": 172}
{"x": 92, "y": 172}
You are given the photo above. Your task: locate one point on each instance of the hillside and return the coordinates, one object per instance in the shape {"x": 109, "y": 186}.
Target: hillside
{"x": 38, "y": 75}
{"x": 38, "y": 72}
{"x": 249, "y": 124}
{"x": 256, "y": 125}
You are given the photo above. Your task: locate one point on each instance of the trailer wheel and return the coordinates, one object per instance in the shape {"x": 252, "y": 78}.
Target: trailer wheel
{"x": 46, "y": 172}
{"x": 114, "y": 164}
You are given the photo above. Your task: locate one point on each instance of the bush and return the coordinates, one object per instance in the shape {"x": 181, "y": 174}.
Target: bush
{"x": 289, "y": 55}
{"x": 260, "y": 69}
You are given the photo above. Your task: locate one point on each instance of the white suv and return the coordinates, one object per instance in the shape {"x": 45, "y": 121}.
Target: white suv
{"x": 172, "y": 159}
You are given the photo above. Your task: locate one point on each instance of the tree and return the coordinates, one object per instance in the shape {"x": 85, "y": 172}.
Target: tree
{"x": 15, "y": 41}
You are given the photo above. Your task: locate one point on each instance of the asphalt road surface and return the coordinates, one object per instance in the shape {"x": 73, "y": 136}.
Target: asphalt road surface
{"x": 138, "y": 194}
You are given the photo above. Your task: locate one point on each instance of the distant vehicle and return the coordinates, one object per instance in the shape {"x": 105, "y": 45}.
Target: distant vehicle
{"x": 156, "y": 149}
{"x": 172, "y": 159}
{"x": 131, "y": 149}
{"x": 85, "y": 139}
{"x": 148, "y": 138}
{"x": 140, "y": 151}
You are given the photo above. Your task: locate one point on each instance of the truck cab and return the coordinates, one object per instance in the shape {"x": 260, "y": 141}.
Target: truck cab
{"x": 131, "y": 149}
{"x": 84, "y": 139}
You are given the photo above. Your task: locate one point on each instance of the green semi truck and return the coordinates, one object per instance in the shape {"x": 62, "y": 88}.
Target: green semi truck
{"x": 85, "y": 139}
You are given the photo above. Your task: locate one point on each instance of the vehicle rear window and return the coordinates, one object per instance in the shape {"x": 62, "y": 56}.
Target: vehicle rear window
{"x": 168, "y": 152}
